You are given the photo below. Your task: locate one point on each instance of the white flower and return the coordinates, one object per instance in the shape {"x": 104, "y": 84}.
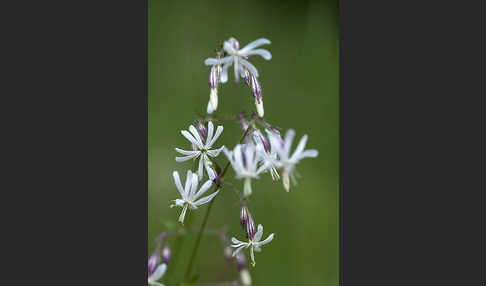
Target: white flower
{"x": 268, "y": 156}
{"x": 254, "y": 244}
{"x": 285, "y": 161}
{"x": 157, "y": 274}
{"x": 245, "y": 159}
{"x": 238, "y": 57}
{"x": 190, "y": 194}
{"x": 202, "y": 148}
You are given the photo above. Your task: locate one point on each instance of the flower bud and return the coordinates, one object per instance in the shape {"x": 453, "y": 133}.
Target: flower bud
{"x": 201, "y": 128}
{"x": 256, "y": 90}
{"x": 213, "y": 89}
{"x": 259, "y": 138}
{"x": 247, "y": 77}
{"x": 243, "y": 216}
{"x": 243, "y": 122}
{"x": 250, "y": 228}
{"x": 228, "y": 253}
{"x": 153, "y": 262}
{"x": 166, "y": 254}
{"x": 245, "y": 277}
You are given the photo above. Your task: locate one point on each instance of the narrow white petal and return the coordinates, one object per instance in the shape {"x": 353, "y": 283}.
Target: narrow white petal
{"x": 254, "y": 44}
{"x": 267, "y": 240}
{"x": 203, "y": 189}
{"x": 250, "y": 67}
{"x": 311, "y": 153}
{"x": 261, "y": 52}
{"x": 185, "y": 158}
{"x": 183, "y": 214}
{"x": 219, "y": 130}
{"x": 215, "y": 152}
{"x": 238, "y": 250}
{"x": 299, "y": 148}
{"x": 178, "y": 184}
{"x": 259, "y": 233}
{"x": 236, "y": 69}
{"x": 194, "y": 184}
{"x": 190, "y": 138}
{"x": 200, "y": 168}
{"x": 210, "y": 132}
{"x": 224, "y": 72}
{"x": 214, "y": 62}
{"x": 206, "y": 199}
{"x": 210, "y": 171}
{"x": 184, "y": 152}
{"x": 236, "y": 241}
{"x": 187, "y": 186}
{"x": 159, "y": 272}
{"x": 196, "y": 135}
{"x": 289, "y": 137}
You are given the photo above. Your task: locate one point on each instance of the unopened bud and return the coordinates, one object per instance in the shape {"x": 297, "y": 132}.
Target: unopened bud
{"x": 153, "y": 262}
{"x": 166, "y": 254}
{"x": 243, "y": 122}
{"x": 247, "y": 77}
{"x": 256, "y": 90}
{"x": 213, "y": 89}
{"x": 201, "y": 128}
{"x": 245, "y": 277}
{"x": 243, "y": 216}
{"x": 259, "y": 138}
{"x": 250, "y": 228}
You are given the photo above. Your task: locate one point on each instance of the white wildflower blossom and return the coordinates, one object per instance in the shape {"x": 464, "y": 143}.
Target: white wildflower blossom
{"x": 268, "y": 156}
{"x": 157, "y": 274}
{"x": 238, "y": 57}
{"x": 202, "y": 148}
{"x": 253, "y": 243}
{"x": 245, "y": 160}
{"x": 190, "y": 195}
{"x": 284, "y": 160}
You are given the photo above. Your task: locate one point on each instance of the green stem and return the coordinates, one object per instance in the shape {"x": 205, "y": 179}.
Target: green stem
{"x": 206, "y": 216}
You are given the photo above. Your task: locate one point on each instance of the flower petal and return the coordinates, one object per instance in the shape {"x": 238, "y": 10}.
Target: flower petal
{"x": 259, "y": 233}
{"x": 206, "y": 199}
{"x": 159, "y": 272}
{"x": 210, "y": 132}
{"x": 250, "y": 67}
{"x": 215, "y": 152}
{"x": 223, "y": 77}
{"x": 203, "y": 189}
{"x": 236, "y": 241}
{"x": 186, "y": 158}
{"x": 190, "y": 138}
{"x": 254, "y": 44}
{"x": 299, "y": 148}
{"x": 289, "y": 137}
{"x": 196, "y": 135}
{"x": 219, "y": 130}
{"x": 261, "y": 52}
{"x": 236, "y": 69}
{"x": 238, "y": 250}
{"x": 185, "y": 152}
{"x": 267, "y": 240}
{"x": 187, "y": 186}
{"x": 214, "y": 62}
{"x": 178, "y": 184}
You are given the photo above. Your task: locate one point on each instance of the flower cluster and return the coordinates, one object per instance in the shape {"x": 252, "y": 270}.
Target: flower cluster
{"x": 261, "y": 150}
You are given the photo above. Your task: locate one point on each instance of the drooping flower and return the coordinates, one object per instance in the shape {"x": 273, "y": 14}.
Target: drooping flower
{"x": 190, "y": 195}
{"x": 284, "y": 160}
{"x": 202, "y": 149}
{"x": 238, "y": 57}
{"x": 245, "y": 160}
{"x": 253, "y": 243}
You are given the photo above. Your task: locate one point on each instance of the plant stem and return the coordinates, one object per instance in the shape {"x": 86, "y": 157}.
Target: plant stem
{"x": 206, "y": 216}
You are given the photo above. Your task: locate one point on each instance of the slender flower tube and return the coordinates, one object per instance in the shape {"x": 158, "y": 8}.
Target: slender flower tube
{"x": 243, "y": 216}
{"x": 213, "y": 89}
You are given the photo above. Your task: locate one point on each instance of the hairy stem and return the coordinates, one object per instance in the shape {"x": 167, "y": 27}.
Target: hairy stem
{"x": 206, "y": 216}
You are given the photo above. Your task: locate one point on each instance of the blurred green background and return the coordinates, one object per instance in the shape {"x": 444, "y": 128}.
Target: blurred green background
{"x": 300, "y": 91}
